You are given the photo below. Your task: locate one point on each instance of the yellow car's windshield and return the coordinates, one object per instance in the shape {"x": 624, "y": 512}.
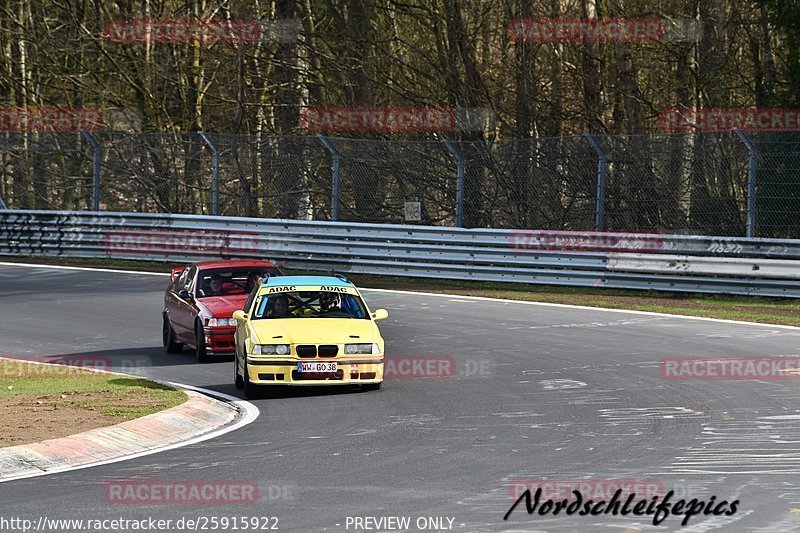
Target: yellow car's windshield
{"x": 310, "y": 304}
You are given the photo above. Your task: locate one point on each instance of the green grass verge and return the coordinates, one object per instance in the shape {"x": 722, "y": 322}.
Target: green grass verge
{"x": 111, "y": 395}
{"x": 747, "y": 308}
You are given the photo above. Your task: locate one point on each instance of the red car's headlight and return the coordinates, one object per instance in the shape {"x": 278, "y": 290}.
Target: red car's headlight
{"x": 214, "y": 322}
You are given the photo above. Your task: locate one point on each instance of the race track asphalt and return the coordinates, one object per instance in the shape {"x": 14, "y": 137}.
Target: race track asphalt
{"x": 540, "y": 392}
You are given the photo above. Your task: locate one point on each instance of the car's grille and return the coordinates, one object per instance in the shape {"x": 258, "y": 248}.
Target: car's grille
{"x": 328, "y": 350}
{"x": 306, "y": 350}
{"x": 324, "y": 350}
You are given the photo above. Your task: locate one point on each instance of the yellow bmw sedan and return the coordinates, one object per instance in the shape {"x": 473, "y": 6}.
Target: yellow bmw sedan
{"x": 307, "y": 330}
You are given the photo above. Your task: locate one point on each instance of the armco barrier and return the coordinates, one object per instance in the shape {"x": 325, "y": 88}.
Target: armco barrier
{"x": 764, "y": 267}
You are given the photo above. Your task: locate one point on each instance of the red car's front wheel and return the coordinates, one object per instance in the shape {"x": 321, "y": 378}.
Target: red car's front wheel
{"x": 200, "y": 345}
{"x": 168, "y": 338}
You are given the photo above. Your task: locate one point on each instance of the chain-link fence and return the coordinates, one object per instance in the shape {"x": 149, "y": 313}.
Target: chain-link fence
{"x": 46, "y": 171}
{"x": 777, "y": 178}
{"x": 676, "y": 183}
{"x": 702, "y": 183}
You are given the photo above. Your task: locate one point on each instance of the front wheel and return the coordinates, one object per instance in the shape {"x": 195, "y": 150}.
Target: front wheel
{"x": 238, "y": 381}
{"x": 200, "y": 345}
{"x": 168, "y": 338}
{"x": 251, "y": 390}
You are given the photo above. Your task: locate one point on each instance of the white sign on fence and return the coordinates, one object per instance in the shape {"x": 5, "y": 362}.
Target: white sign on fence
{"x": 413, "y": 211}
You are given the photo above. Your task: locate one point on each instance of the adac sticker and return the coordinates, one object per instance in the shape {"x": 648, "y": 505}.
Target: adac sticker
{"x": 290, "y": 288}
{"x": 333, "y": 289}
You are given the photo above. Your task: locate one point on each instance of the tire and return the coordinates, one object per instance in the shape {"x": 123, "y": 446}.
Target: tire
{"x": 200, "y": 345}
{"x": 372, "y": 386}
{"x": 251, "y": 390}
{"x": 168, "y": 338}
{"x": 238, "y": 381}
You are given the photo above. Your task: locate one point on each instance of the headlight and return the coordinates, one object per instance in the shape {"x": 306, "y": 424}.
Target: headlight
{"x": 214, "y": 322}
{"x": 351, "y": 349}
{"x": 270, "y": 349}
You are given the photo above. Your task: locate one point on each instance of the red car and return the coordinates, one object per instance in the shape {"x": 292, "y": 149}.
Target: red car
{"x": 200, "y": 300}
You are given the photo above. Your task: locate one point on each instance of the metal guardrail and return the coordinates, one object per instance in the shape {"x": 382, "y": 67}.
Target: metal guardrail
{"x": 764, "y": 267}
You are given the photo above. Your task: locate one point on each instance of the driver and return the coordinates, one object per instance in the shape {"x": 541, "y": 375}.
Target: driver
{"x": 329, "y": 302}
{"x": 216, "y": 285}
{"x": 281, "y": 307}
{"x": 252, "y": 280}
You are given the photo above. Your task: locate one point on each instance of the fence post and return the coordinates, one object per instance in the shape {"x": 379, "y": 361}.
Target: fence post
{"x": 751, "y": 182}
{"x": 97, "y": 158}
{"x": 459, "y": 181}
{"x": 214, "y": 172}
{"x": 336, "y": 159}
{"x": 600, "y": 202}
{"x": 2, "y": 203}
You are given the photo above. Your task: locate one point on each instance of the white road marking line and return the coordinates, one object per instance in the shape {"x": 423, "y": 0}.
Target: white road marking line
{"x": 589, "y": 308}
{"x": 115, "y": 271}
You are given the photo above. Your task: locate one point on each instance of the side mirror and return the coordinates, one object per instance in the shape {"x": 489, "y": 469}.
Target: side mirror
{"x": 239, "y": 316}
{"x": 380, "y": 314}
{"x": 175, "y": 273}
{"x": 185, "y": 294}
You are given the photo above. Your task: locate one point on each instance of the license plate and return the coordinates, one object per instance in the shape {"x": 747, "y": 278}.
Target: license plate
{"x": 317, "y": 368}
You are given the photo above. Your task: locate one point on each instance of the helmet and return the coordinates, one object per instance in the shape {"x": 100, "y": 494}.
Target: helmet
{"x": 328, "y": 300}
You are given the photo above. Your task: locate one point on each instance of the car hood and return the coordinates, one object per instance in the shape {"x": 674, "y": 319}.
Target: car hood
{"x": 314, "y": 331}
{"x": 224, "y": 306}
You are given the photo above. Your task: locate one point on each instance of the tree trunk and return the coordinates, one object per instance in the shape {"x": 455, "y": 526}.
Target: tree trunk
{"x": 711, "y": 57}
{"x": 590, "y": 65}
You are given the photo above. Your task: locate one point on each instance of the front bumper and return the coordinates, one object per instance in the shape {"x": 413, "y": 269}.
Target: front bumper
{"x": 283, "y": 371}
{"x": 220, "y": 340}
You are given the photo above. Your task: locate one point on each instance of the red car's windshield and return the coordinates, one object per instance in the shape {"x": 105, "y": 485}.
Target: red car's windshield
{"x": 230, "y": 282}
